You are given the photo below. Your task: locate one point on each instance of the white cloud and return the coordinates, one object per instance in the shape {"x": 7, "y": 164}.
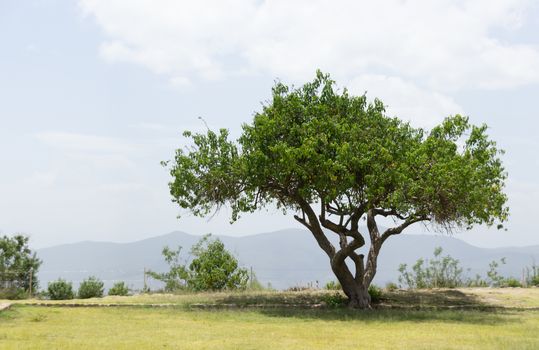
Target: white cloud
{"x": 149, "y": 126}
{"x": 84, "y": 143}
{"x": 443, "y": 45}
{"x": 87, "y": 153}
{"x": 42, "y": 179}
{"x": 405, "y": 100}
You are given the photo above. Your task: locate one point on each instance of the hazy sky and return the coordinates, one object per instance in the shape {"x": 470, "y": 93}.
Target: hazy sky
{"x": 95, "y": 93}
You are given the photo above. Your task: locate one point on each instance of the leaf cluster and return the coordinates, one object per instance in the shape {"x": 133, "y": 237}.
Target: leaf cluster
{"x": 316, "y": 144}
{"x": 17, "y": 262}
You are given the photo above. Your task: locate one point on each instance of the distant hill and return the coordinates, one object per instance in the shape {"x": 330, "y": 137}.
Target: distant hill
{"x": 283, "y": 258}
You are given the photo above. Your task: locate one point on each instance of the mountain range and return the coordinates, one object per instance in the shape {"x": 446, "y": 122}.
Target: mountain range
{"x": 283, "y": 259}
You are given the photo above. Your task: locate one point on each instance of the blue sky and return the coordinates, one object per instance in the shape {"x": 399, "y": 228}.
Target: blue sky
{"x": 94, "y": 94}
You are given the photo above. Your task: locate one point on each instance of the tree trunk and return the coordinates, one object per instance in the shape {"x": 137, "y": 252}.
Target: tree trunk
{"x": 354, "y": 288}
{"x": 358, "y": 296}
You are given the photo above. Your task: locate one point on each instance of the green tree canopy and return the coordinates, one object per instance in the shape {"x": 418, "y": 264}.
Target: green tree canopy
{"x": 334, "y": 159}
{"x": 17, "y": 263}
{"x": 212, "y": 267}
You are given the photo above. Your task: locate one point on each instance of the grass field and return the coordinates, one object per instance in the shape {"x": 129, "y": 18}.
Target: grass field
{"x": 488, "y": 319}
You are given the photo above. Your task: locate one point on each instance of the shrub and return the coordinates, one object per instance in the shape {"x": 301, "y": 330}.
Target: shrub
{"x": 333, "y": 285}
{"x": 439, "y": 272}
{"x": 18, "y": 266}
{"x": 478, "y": 281}
{"x": 212, "y": 268}
{"x": 391, "y": 287}
{"x": 119, "y": 288}
{"x": 176, "y": 278}
{"x": 496, "y": 280}
{"x": 91, "y": 287}
{"x": 60, "y": 290}
{"x": 445, "y": 272}
{"x": 255, "y": 284}
{"x": 335, "y": 299}
{"x": 532, "y": 275}
{"x": 376, "y": 293}
{"x": 13, "y": 293}
{"x": 512, "y": 282}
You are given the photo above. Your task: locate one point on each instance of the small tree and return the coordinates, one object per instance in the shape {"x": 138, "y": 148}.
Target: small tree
{"x": 18, "y": 266}
{"x": 92, "y": 287}
{"x": 334, "y": 159}
{"x": 438, "y": 272}
{"x": 532, "y": 275}
{"x": 212, "y": 268}
{"x": 60, "y": 290}
{"x": 119, "y": 288}
{"x": 176, "y": 277}
{"x": 496, "y": 280}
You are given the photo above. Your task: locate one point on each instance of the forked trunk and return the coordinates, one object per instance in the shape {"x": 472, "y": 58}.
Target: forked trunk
{"x": 356, "y": 291}
{"x": 358, "y": 296}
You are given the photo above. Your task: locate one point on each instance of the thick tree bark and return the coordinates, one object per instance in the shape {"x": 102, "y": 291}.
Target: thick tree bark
{"x": 358, "y": 297}
{"x": 354, "y": 288}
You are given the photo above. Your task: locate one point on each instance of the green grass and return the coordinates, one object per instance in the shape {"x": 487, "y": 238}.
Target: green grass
{"x": 292, "y": 325}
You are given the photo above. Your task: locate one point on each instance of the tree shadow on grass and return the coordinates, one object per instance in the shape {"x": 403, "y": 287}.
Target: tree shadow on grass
{"x": 437, "y": 298}
{"x": 298, "y": 299}
{"x": 444, "y": 305}
{"x": 474, "y": 316}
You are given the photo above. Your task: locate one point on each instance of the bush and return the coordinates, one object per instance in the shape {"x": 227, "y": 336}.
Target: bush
{"x": 376, "y": 293}
{"x": 439, "y": 272}
{"x": 332, "y": 285}
{"x": 478, "y": 281}
{"x": 60, "y": 290}
{"x": 532, "y": 275}
{"x": 91, "y": 287}
{"x": 176, "y": 278}
{"x": 512, "y": 282}
{"x": 496, "y": 280}
{"x": 391, "y": 287}
{"x": 335, "y": 299}
{"x": 119, "y": 288}
{"x": 212, "y": 268}
{"x": 255, "y": 284}
{"x": 13, "y": 293}
{"x": 17, "y": 263}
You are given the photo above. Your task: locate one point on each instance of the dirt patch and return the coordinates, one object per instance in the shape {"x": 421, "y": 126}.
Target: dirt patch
{"x": 4, "y": 306}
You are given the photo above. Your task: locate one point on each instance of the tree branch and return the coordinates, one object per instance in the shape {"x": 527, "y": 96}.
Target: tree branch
{"x": 314, "y": 226}
{"x": 407, "y": 222}
{"x": 390, "y": 212}
{"x": 360, "y": 269}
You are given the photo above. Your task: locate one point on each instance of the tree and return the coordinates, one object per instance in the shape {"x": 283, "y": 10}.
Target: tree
{"x": 177, "y": 276}
{"x": 438, "y": 272}
{"x": 212, "y": 268}
{"x": 60, "y": 290}
{"x": 215, "y": 268}
{"x": 92, "y": 287}
{"x": 119, "y": 288}
{"x": 18, "y": 266}
{"x": 334, "y": 159}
